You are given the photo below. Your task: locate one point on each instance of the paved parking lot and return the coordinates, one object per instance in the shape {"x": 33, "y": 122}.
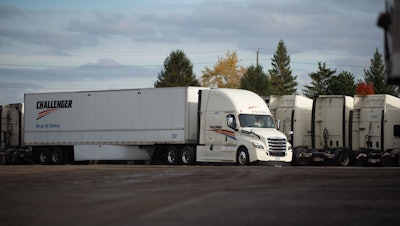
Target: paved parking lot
{"x": 198, "y": 195}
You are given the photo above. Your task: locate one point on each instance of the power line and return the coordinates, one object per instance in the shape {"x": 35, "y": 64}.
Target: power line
{"x": 62, "y": 87}
{"x": 71, "y": 66}
{"x": 128, "y": 54}
{"x": 154, "y": 65}
{"x": 112, "y": 54}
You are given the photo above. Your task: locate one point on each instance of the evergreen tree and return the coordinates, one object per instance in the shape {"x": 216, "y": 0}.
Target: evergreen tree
{"x": 320, "y": 81}
{"x": 255, "y": 80}
{"x": 281, "y": 79}
{"x": 375, "y": 75}
{"x": 342, "y": 84}
{"x": 178, "y": 71}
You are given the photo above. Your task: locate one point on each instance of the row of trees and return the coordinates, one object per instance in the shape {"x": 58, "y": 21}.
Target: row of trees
{"x": 227, "y": 73}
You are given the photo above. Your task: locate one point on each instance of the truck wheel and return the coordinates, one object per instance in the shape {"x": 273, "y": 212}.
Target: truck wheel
{"x": 188, "y": 156}
{"x": 44, "y": 156}
{"x": 388, "y": 161}
{"x": 242, "y": 157}
{"x": 390, "y": 158}
{"x": 172, "y": 156}
{"x": 57, "y": 156}
{"x": 299, "y": 159}
{"x": 13, "y": 158}
{"x": 343, "y": 158}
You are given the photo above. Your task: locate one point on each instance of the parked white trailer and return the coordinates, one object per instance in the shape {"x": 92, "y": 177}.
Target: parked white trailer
{"x": 111, "y": 125}
{"x": 364, "y": 130}
{"x": 293, "y": 112}
{"x": 175, "y": 125}
{"x": 12, "y": 135}
{"x": 320, "y": 127}
{"x": 376, "y": 129}
{"x": 330, "y": 130}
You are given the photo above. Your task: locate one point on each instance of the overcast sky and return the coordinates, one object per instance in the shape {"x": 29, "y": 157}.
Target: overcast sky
{"x": 49, "y": 45}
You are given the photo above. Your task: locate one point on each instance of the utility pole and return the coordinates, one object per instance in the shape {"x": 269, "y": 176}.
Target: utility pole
{"x": 258, "y": 50}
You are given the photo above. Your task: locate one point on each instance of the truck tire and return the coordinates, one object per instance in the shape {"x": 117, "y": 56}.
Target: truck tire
{"x": 242, "y": 157}
{"x": 188, "y": 156}
{"x": 172, "y": 156}
{"x": 57, "y": 156}
{"x": 343, "y": 158}
{"x": 44, "y": 156}
{"x": 299, "y": 159}
{"x": 13, "y": 157}
{"x": 388, "y": 161}
{"x": 390, "y": 158}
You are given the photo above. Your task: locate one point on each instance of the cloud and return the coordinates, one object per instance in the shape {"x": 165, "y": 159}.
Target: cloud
{"x": 108, "y": 24}
{"x": 305, "y": 25}
{"x": 339, "y": 32}
{"x": 7, "y": 11}
{"x": 103, "y": 74}
{"x": 52, "y": 39}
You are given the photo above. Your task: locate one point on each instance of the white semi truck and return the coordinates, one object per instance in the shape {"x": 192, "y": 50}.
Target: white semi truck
{"x": 340, "y": 130}
{"x": 180, "y": 125}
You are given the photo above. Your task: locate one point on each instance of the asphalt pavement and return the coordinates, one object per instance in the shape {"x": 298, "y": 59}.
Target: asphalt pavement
{"x": 198, "y": 195}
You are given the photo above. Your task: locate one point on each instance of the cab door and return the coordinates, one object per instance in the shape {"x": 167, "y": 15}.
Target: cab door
{"x": 213, "y": 138}
{"x": 230, "y": 139}
{"x": 220, "y": 136}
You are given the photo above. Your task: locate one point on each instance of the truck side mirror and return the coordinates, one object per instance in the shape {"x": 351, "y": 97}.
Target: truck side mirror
{"x": 278, "y": 124}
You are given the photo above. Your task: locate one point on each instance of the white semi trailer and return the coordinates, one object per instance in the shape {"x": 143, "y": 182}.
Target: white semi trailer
{"x": 294, "y": 115}
{"x": 12, "y": 134}
{"x": 318, "y": 127}
{"x": 376, "y": 130}
{"x": 174, "y": 125}
{"x": 330, "y": 130}
{"x": 340, "y": 130}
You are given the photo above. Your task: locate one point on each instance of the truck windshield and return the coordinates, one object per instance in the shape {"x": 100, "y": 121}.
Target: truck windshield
{"x": 260, "y": 121}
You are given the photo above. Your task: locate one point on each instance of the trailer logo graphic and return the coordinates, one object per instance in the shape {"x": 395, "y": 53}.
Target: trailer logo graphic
{"x": 45, "y": 112}
{"x": 51, "y": 106}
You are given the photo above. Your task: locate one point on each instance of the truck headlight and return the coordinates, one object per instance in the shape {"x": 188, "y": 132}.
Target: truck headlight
{"x": 289, "y": 147}
{"x": 257, "y": 145}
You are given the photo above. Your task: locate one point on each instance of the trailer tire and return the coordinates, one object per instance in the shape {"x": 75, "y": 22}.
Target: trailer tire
{"x": 242, "y": 157}
{"x": 172, "y": 156}
{"x": 188, "y": 156}
{"x": 343, "y": 158}
{"x": 44, "y": 156}
{"x": 57, "y": 156}
{"x": 299, "y": 159}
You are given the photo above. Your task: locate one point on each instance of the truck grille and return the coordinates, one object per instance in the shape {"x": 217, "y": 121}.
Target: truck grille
{"x": 277, "y": 146}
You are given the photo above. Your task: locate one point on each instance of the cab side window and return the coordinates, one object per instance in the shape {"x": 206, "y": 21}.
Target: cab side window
{"x": 231, "y": 121}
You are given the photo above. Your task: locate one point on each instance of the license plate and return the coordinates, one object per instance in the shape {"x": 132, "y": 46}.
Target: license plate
{"x": 318, "y": 159}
